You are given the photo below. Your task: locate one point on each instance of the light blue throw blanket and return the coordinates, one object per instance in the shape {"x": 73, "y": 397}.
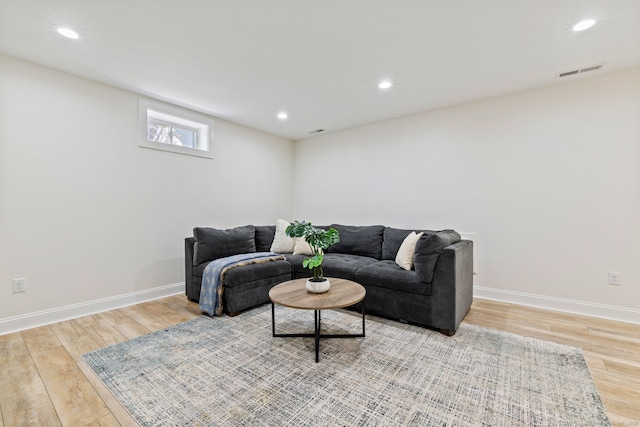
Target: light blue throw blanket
{"x": 213, "y": 278}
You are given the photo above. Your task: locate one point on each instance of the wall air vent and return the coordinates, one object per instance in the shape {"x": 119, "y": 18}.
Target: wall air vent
{"x": 580, "y": 70}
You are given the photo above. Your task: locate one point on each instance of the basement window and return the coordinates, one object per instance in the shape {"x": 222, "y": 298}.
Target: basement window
{"x": 171, "y": 128}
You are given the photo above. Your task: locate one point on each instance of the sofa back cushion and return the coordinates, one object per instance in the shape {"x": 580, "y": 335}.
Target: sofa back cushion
{"x": 392, "y": 239}
{"x": 264, "y": 237}
{"x": 212, "y": 243}
{"x": 359, "y": 240}
{"x": 428, "y": 250}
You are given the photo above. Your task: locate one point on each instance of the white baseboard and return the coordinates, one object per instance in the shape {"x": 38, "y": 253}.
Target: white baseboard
{"x": 60, "y": 314}
{"x": 611, "y": 312}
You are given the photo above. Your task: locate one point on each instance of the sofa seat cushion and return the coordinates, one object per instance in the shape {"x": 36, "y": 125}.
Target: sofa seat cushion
{"x": 296, "y": 265}
{"x": 345, "y": 266}
{"x": 365, "y": 240}
{"x": 342, "y": 266}
{"x": 247, "y": 273}
{"x": 243, "y": 278}
{"x": 387, "y": 274}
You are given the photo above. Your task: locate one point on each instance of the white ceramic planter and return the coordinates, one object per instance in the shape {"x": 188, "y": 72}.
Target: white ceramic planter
{"x": 318, "y": 287}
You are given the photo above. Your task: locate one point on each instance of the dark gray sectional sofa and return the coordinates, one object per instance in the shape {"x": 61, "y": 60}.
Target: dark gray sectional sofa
{"x": 436, "y": 293}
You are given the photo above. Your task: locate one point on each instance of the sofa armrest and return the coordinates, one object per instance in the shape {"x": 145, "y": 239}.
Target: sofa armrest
{"x": 452, "y": 286}
{"x": 188, "y": 266}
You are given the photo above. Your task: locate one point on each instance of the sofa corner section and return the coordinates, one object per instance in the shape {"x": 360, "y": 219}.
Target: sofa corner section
{"x": 452, "y": 287}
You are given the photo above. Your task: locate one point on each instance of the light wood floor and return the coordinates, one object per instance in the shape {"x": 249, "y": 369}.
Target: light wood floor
{"x": 44, "y": 382}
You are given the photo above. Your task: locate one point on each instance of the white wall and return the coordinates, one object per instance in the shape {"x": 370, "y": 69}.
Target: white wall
{"x": 549, "y": 179}
{"x": 86, "y": 214}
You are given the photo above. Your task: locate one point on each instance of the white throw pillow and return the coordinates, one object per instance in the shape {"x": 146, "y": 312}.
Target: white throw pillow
{"x": 302, "y": 247}
{"x": 404, "y": 258}
{"x": 282, "y": 243}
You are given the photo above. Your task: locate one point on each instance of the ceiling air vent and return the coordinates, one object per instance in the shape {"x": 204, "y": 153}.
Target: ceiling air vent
{"x": 317, "y": 131}
{"x": 580, "y": 70}
{"x": 568, "y": 73}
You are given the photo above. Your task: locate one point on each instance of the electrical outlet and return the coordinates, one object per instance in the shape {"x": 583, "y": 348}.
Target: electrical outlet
{"x": 614, "y": 278}
{"x": 19, "y": 285}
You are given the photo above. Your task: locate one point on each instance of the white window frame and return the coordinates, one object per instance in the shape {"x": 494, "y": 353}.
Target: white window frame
{"x": 203, "y": 125}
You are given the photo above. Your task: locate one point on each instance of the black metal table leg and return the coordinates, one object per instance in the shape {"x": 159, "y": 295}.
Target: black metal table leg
{"x": 317, "y": 316}
{"x": 363, "y": 310}
{"x": 273, "y": 320}
{"x": 316, "y": 335}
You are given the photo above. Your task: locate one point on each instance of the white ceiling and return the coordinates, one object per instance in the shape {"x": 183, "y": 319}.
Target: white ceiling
{"x": 321, "y": 60}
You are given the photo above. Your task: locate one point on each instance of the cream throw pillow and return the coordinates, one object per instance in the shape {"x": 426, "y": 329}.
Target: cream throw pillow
{"x": 282, "y": 243}
{"x": 301, "y": 247}
{"x": 404, "y": 258}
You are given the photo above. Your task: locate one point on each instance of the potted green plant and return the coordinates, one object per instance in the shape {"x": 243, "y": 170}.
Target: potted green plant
{"x": 319, "y": 240}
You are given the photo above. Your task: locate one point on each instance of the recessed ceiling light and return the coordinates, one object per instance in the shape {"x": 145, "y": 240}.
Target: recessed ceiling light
{"x": 385, "y": 84}
{"x": 583, "y": 25}
{"x": 282, "y": 115}
{"x": 68, "y": 32}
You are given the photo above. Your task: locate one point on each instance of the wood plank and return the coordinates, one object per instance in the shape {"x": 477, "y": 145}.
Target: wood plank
{"x": 40, "y": 339}
{"x": 621, "y": 400}
{"x": 107, "y": 421}
{"x": 132, "y": 329}
{"x": 631, "y": 369}
{"x": 101, "y": 331}
{"x": 20, "y": 382}
{"x": 149, "y": 320}
{"x": 114, "y": 317}
{"x": 619, "y": 336}
{"x": 612, "y": 326}
{"x": 177, "y": 303}
{"x": 37, "y": 413}
{"x": 622, "y": 380}
{"x": 123, "y": 323}
{"x": 165, "y": 312}
{"x": 496, "y": 305}
{"x": 12, "y": 345}
{"x": 74, "y": 338}
{"x": 73, "y": 397}
{"x": 23, "y": 396}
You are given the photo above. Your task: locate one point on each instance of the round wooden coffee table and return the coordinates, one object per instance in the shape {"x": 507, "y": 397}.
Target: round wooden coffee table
{"x": 293, "y": 294}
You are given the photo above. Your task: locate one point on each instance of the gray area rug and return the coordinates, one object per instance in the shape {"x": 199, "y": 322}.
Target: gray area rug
{"x": 227, "y": 371}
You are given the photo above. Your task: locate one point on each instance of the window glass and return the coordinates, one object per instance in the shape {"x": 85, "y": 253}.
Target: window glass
{"x": 170, "y": 133}
{"x": 171, "y": 128}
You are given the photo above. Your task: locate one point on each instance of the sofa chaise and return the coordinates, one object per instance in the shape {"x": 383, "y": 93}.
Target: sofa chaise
{"x": 436, "y": 292}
